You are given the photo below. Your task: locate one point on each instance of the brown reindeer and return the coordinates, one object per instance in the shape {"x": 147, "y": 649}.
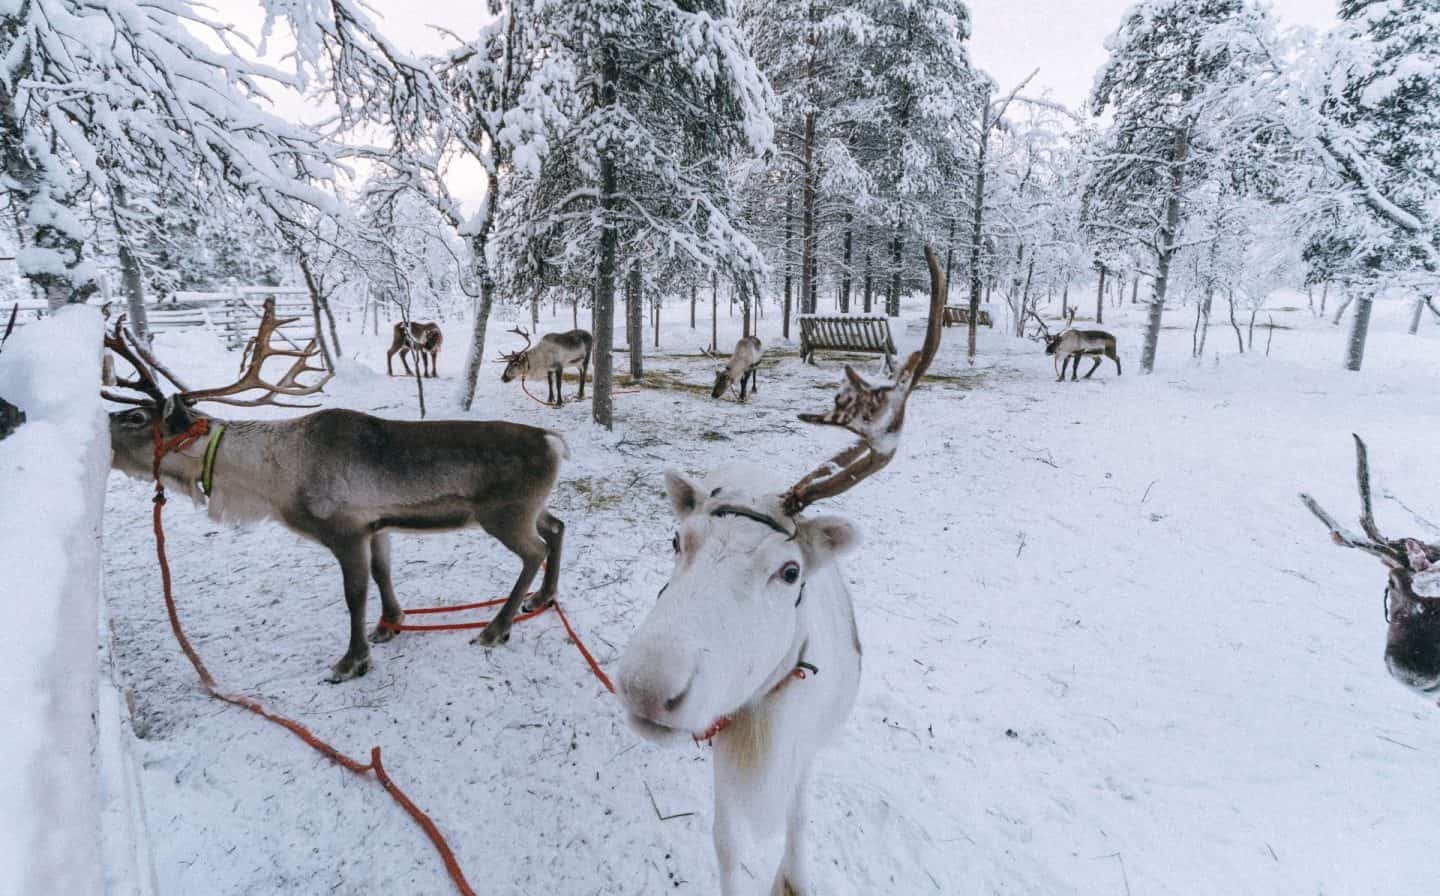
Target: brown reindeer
{"x": 1412, "y": 592}
{"x": 346, "y": 480}
{"x": 424, "y": 339}
{"x": 1071, "y": 344}
{"x": 552, "y": 354}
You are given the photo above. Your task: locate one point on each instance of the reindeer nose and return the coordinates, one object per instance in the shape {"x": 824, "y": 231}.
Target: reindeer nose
{"x": 655, "y": 693}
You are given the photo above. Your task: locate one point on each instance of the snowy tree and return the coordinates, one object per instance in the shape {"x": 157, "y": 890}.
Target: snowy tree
{"x": 642, "y": 166}
{"x": 1160, "y": 146}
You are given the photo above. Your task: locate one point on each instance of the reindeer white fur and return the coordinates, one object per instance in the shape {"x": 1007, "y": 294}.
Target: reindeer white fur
{"x": 755, "y": 601}
{"x": 724, "y": 641}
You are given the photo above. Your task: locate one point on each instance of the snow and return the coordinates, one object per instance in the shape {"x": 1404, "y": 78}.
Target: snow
{"x": 1106, "y": 648}
{"x": 52, "y": 473}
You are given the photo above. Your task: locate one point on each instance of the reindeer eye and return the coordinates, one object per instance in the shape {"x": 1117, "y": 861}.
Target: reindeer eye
{"x": 790, "y": 573}
{"x": 137, "y": 418}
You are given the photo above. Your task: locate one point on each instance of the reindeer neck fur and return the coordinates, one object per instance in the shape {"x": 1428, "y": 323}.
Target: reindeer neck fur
{"x": 253, "y": 468}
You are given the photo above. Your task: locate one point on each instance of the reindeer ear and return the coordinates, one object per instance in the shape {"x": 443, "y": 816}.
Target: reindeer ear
{"x": 855, "y": 379}
{"x": 684, "y": 494}
{"x": 177, "y": 414}
{"x": 833, "y": 533}
{"x": 1420, "y": 558}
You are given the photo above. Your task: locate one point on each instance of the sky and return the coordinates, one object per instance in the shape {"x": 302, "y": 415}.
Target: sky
{"x": 1065, "y": 39}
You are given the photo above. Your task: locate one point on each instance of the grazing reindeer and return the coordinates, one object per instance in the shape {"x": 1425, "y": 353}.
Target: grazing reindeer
{"x": 743, "y": 363}
{"x": 346, "y": 479}
{"x": 755, "y": 603}
{"x": 1412, "y": 594}
{"x": 1071, "y": 344}
{"x": 423, "y": 339}
{"x": 553, "y": 354}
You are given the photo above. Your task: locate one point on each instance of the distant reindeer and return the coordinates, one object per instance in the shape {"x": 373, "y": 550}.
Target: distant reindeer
{"x": 346, "y": 479}
{"x": 742, "y": 364}
{"x": 552, "y": 354}
{"x": 756, "y": 602}
{"x": 423, "y": 339}
{"x": 1412, "y": 593}
{"x": 1071, "y": 344}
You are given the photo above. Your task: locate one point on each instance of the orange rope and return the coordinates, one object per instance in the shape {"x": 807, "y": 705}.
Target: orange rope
{"x": 177, "y": 443}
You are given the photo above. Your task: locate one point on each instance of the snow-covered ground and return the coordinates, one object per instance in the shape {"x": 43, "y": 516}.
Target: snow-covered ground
{"x": 1106, "y": 648}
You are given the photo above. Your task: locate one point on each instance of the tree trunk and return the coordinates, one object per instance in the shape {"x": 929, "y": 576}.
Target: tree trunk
{"x": 1324, "y": 294}
{"x": 602, "y": 313}
{"x": 317, "y": 301}
{"x": 789, "y": 260}
{"x": 949, "y": 255}
{"x": 977, "y": 225}
{"x": 1169, "y": 234}
{"x": 655, "y": 313}
{"x": 1355, "y": 350}
{"x": 1100, "y": 298}
{"x": 131, "y": 274}
{"x": 745, "y": 319}
{"x": 869, "y": 284}
{"x": 694, "y": 290}
{"x": 1415, "y": 315}
{"x": 476, "y": 358}
{"x": 892, "y": 301}
{"x": 634, "y": 321}
{"x": 1135, "y": 290}
{"x": 807, "y": 219}
{"x": 1065, "y": 299}
{"x": 714, "y": 308}
{"x": 845, "y": 269}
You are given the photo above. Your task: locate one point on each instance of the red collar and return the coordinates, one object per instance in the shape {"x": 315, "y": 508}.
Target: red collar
{"x": 801, "y": 671}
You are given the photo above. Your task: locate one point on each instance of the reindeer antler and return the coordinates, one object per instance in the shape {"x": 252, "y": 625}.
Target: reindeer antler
{"x": 1391, "y": 553}
{"x": 121, "y": 343}
{"x": 1044, "y": 330}
{"x": 288, "y": 385}
{"x": 523, "y": 335}
{"x": 875, "y": 413}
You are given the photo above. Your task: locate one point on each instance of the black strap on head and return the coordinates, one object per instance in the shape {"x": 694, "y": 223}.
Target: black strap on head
{"x": 752, "y": 514}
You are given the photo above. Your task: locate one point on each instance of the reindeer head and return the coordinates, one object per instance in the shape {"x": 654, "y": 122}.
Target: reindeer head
{"x": 1412, "y": 592}
{"x": 516, "y": 363}
{"x": 133, "y": 431}
{"x": 731, "y": 622}
{"x": 722, "y": 381}
{"x": 1042, "y": 333}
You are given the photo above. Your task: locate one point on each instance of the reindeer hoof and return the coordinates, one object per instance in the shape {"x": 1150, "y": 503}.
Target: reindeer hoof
{"x": 347, "y": 669}
{"x": 383, "y": 633}
{"x": 536, "y": 602}
{"x": 492, "y": 636}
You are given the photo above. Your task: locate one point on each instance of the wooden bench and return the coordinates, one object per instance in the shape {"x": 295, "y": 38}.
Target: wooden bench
{"x": 868, "y": 333}
{"x": 959, "y": 316}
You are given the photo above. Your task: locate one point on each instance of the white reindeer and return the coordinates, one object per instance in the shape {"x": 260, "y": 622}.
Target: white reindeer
{"x": 752, "y": 643}
{"x": 739, "y": 367}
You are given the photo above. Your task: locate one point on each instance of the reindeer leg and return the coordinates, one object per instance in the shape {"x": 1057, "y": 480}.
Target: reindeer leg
{"x": 404, "y": 352}
{"x": 1064, "y": 361}
{"x": 744, "y": 378}
{"x": 1075, "y": 367}
{"x": 380, "y": 570}
{"x": 552, "y": 530}
{"x": 1116, "y": 358}
{"x": 583, "y": 366}
{"x": 525, "y": 541}
{"x": 390, "y": 363}
{"x": 755, "y": 380}
{"x": 1093, "y": 367}
{"x": 793, "y": 879}
{"x": 354, "y": 557}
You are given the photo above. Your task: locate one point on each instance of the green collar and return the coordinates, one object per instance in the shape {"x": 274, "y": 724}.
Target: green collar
{"x": 207, "y": 469}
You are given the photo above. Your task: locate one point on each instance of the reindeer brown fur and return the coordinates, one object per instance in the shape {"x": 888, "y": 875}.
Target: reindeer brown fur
{"x": 346, "y": 480}
{"x": 424, "y": 339}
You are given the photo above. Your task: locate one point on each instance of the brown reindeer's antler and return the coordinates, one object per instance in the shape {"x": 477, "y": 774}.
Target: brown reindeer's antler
{"x": 1392, "y": 553}
{"x": 288, "y": 385}
{"x": 875, "y": 413}
{"x": 1044, "y": 332}
{"x": 128, "y": 348}
{"x": 523, "y": 334}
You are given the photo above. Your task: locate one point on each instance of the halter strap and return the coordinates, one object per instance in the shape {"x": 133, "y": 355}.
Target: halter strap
{"x": 207, "y": 467}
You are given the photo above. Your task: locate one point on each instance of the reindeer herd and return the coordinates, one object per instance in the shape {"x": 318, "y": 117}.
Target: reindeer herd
{"x": 752, "y": 644}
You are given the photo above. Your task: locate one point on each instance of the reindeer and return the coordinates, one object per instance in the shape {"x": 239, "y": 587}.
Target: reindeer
{"x": 752, "y": 643}
{"x": 553, "y": 354}
{"x": 1412, "y": 594}
{"x": 346, "y": 479}
{"x": 423, "y": 339}
{"x": 742, "y": 364}
{"x": 1070, "y": 344}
